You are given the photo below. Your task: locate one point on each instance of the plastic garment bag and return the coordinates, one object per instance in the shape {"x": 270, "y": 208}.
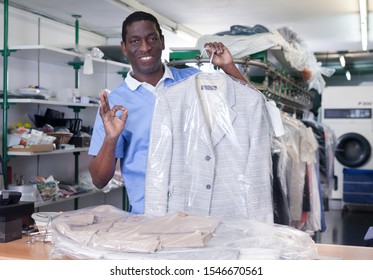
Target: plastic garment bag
{"x": 209, "y": 150}
{"x": 106, "y": 232}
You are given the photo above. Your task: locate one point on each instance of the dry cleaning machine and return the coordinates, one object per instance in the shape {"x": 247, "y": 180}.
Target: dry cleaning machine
{"x": 348, "y": 112}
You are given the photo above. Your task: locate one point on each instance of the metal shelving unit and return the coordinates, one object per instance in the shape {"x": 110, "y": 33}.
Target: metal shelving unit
{"x": 5, "y": 54}
{"x": 61, "y": 58}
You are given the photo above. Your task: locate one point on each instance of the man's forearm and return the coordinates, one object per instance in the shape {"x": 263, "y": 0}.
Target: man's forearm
{"x": 102, "y": 166}
{"x": 233, "y": 71}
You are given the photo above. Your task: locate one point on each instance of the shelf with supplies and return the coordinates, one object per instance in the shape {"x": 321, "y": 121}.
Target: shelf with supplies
{"x": 78, "y": 196}
{"x": 61, "y": 57}
{"x": 268, "y": 71}
{"x": 51, "y": 68}
{"x": 58, "y": 76}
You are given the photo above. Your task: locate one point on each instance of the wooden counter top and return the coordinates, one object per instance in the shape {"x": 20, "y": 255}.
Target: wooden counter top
{"x": 22, "y": 250}
{"x": 344, "y": 252}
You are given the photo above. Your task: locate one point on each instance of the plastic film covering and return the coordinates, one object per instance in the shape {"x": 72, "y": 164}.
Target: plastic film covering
{"x": 210, "y": 150}
{"x": 295, "y": 139}
{"x": 330, "y": 149}
{"x": 294, "y": 48}
{"x": 106, "y": 232}
{"x": 299, "y": 56}
{"x": 302, "y": 173}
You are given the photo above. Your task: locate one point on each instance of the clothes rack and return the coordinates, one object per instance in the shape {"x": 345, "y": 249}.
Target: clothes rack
{"x": 275, "y": 79}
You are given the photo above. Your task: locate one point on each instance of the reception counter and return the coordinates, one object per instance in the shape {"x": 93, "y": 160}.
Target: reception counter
{"x": 21, "y": 249}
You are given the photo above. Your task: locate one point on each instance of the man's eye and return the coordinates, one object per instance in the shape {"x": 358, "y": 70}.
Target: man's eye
{"x": 153, "y": 39}
{"x": 134, "y": 42}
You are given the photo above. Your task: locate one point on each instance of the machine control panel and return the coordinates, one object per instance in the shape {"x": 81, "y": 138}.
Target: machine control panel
{"x": 349, "y": 113}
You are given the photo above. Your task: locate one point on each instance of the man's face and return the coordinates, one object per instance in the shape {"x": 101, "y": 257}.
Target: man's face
{"x": 143, "y": 47}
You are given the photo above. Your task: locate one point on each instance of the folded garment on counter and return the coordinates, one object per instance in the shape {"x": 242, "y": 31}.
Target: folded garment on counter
{"x": 106, "y": 232}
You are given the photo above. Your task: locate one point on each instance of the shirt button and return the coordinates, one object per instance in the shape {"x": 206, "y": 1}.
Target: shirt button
{"x": 207, "y": 158}
{"x": 208, "y": 187}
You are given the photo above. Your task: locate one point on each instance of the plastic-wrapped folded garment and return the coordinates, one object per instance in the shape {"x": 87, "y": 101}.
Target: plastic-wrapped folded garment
{"x": 105, "y": 232}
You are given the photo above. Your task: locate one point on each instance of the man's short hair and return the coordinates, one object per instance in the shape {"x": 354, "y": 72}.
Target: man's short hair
{"x": 138, "y": 16}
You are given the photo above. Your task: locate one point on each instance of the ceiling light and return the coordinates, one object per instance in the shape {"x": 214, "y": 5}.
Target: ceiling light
{"x": 348, "y": 75}
{"x": 342, "y": 60}
{"x": 364, "y": 24}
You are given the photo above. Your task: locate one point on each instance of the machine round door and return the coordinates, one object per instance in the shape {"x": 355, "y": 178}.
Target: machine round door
{"x": 353, "y": 150}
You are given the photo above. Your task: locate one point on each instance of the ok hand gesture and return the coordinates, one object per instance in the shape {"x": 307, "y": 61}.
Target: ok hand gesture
{"x": 114, "y": 123}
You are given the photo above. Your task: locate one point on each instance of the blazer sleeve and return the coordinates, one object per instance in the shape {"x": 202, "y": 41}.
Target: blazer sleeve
{"x": 259, "y": 165}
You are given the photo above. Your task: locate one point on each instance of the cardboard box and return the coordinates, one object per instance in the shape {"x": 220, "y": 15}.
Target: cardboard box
{"x": 33, "y": 148}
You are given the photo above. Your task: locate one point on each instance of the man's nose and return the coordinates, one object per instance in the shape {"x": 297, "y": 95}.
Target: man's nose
{"x": 145, "y": 46}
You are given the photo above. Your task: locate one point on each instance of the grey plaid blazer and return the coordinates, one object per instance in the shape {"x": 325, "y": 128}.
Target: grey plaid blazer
{"x": 223, "y": 170}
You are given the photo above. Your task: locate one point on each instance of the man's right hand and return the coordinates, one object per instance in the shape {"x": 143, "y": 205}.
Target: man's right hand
{"x": 113, "y": 123}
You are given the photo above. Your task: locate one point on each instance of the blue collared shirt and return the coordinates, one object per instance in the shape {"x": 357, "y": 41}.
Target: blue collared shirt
{"x": 133, "y": 143}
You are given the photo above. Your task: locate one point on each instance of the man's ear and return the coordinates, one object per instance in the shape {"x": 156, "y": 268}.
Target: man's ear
{"x": 123, "y": 47}
{"x": 163, "y": 44}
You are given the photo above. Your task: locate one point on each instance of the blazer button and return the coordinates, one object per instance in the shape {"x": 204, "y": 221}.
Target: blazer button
{"x": 207, "y": 158}
{"x": 208, "y": 187}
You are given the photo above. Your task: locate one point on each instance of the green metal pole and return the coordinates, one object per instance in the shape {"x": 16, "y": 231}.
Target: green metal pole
{"x": 77, "y": 31}
{"x": 5, "y": 93}
{"x": 76, "y": 64}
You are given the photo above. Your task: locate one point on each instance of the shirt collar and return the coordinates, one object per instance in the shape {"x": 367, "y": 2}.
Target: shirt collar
{"x": 133, "y": 84}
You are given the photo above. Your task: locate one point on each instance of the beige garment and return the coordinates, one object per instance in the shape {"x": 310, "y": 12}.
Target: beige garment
{"x": 135, "y": 233}
{"x": 173, "y": 230}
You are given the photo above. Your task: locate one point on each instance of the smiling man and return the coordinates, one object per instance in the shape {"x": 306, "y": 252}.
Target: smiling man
{"x": 123, "y": 123}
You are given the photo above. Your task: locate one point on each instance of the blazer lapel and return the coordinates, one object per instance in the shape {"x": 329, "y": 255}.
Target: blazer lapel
{"x": 224, "y": 122}
{"x": 195, "y": 125}
{"x": 226, "y": 115}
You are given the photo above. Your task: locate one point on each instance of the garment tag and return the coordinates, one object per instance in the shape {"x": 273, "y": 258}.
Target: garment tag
{"x": 275, "y": 116}
{"x": 208, "y": 87}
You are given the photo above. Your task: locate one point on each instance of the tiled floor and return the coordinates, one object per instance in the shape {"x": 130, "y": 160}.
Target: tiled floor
{"x": 346, "y": 227}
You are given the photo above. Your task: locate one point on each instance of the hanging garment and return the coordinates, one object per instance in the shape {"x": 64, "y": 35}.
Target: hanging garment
{"x": 295, "y": 139}
{"x": 323, "y": 156}
{"x": 318, "y": 178}
{"x": 280, "y": 199}
{"x": 209, "y": 151}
